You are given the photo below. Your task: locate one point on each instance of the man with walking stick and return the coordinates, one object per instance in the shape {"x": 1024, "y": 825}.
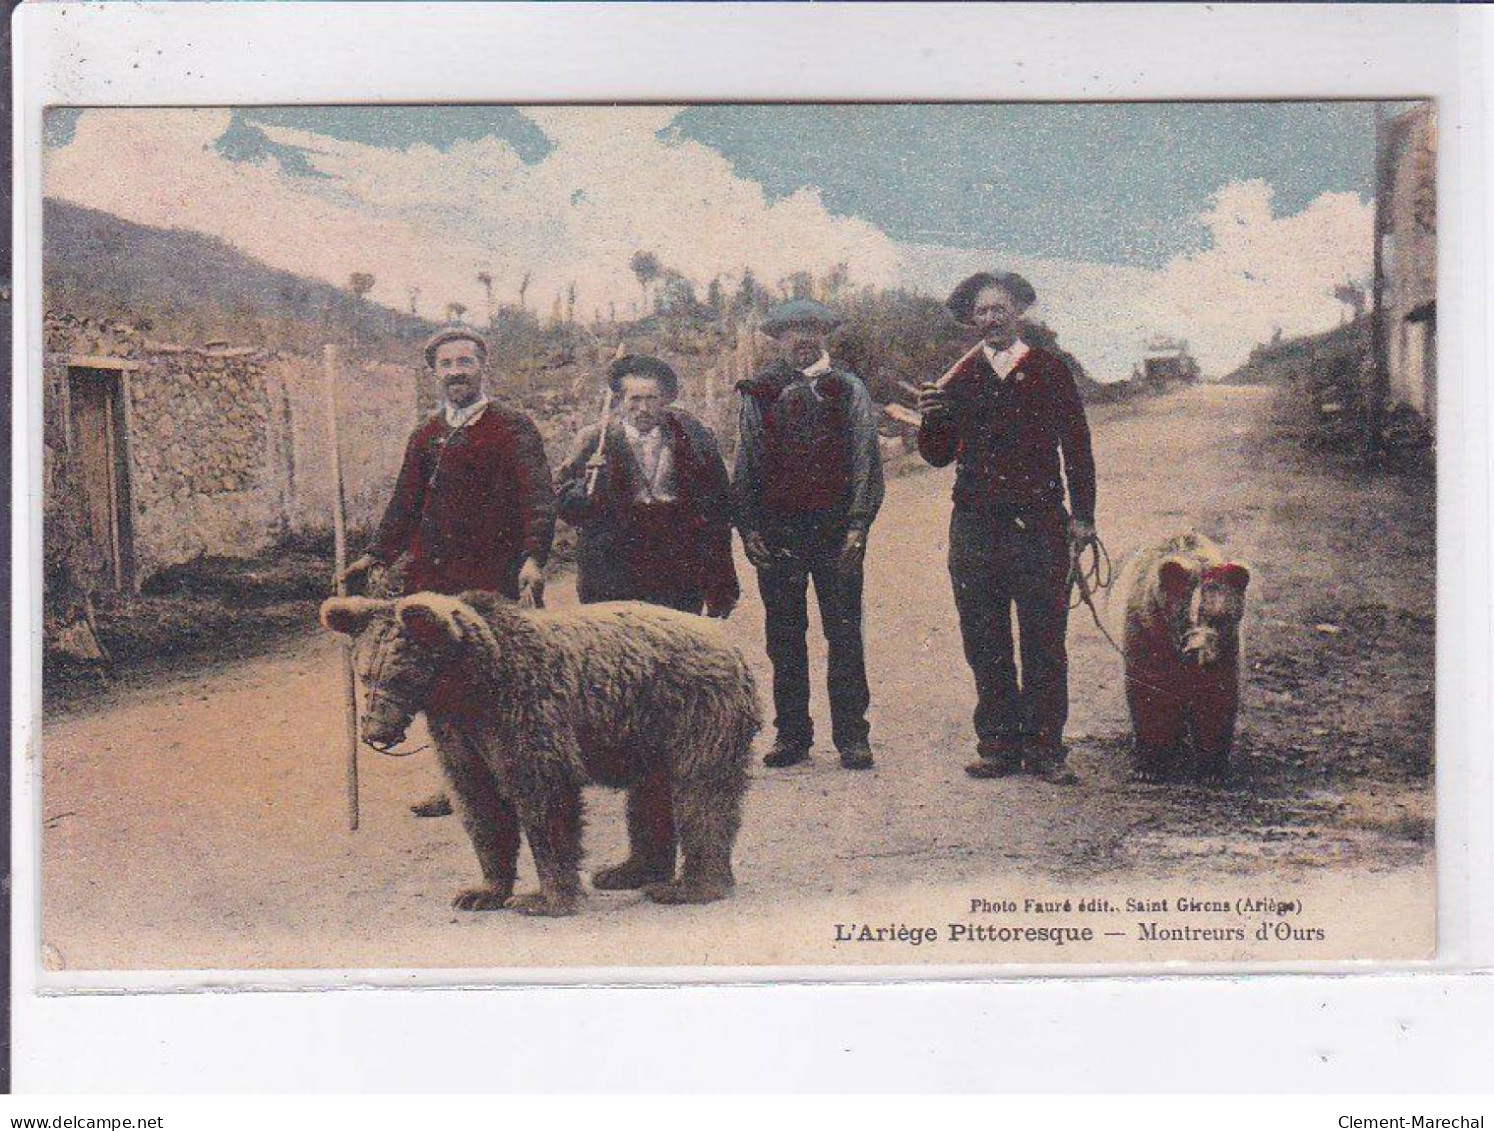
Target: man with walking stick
{"x": 474, "y": 505}
{"x": 648, "y": 493}
{"x": 1006, "y": 412}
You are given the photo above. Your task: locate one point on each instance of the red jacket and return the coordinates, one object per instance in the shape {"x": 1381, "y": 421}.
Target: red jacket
{"x": 1007, "y": 436}
{"x": 470, "y": 504}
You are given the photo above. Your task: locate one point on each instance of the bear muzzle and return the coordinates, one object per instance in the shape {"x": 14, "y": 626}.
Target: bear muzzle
{"x": 1202, "y": 645}
{"x": 384, "y": 724}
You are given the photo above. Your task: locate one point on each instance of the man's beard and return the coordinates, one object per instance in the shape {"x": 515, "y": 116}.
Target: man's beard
{"x": 462, "y": 394}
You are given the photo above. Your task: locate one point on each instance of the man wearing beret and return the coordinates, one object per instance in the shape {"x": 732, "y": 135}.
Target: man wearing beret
{"x": 655, "y": 524}
{"x": 807, "y": 486}
{"x": 474, "y": 506}
{"x": 1006, "y": 413}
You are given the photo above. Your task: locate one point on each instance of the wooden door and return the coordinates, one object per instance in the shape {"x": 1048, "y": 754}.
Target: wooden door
{"x": 100, "y": 455}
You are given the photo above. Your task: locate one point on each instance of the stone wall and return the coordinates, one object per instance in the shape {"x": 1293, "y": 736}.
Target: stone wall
{"x": 202, "y": 482}
{"x": 376, "y": 413}
{"x": 198, "y": 435}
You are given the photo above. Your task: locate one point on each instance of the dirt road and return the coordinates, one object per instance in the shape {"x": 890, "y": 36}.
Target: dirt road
{"x": 200, "y": 822}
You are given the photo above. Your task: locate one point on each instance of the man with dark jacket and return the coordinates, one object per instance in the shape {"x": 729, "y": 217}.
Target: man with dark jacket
{"x": 1006, "y": 414}
{"x": 473, "y": 507}
{"x": 807, "y": 485}
{"x": 653, "y": 517}
{"x": 654, "y": 520}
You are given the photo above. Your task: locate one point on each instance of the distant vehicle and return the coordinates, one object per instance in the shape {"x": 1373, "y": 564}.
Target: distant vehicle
{"x": 1167, "y": 359}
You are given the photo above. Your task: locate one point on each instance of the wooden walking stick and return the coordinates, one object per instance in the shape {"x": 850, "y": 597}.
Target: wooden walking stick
{"x": 340, "y": 554}
{"x": 597, "y": 462}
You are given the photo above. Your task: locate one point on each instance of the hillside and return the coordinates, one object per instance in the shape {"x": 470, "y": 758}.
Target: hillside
{"x": 193, "y": 288}
{"x": 1275, "y": 362}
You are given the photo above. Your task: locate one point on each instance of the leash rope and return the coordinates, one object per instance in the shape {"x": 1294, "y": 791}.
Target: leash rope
{"x": 1084, "y": 582}
{"x": 1087, "y": 580}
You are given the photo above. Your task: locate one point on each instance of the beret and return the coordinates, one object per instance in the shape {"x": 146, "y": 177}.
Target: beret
{"x": 961, "y": 300}
{"x": 456, "y": 332}
{"x": 641, "y": 365}
{"x": 799, "y": 312}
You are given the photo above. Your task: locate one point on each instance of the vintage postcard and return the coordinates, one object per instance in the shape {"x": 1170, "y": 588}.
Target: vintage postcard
{"x": 718, "y": 537}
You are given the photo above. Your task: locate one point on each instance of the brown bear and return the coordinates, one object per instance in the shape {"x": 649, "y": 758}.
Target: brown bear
{"x": 526, "y": 707}
{"x": 1181, "y": 641}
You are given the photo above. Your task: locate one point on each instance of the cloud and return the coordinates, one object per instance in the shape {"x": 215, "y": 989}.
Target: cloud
{"x": 161, "y": 167}
{"x": 617, "y": 181}
{"x": 1261, "y": 272}
{"x": 1256, "y": 273}
{"x": 433, "y": 218}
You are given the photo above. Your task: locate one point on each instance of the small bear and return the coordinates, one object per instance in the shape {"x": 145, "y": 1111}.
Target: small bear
{"x": 1181, "y": 643}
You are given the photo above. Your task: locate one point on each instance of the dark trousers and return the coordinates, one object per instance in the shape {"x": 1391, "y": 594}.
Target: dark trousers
{"x": 996, "y": 565}
{"x": 815, "y": 542}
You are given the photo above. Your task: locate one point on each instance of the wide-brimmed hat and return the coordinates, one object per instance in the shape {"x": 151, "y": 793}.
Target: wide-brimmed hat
{"x": 961, "y": 300}
{"x": 799, "y": 312}
{"x": 641, "y": 365}
{"x": 454, "y": 333}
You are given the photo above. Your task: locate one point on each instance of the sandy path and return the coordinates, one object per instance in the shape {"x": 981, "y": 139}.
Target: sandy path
{"x": 199, "y": 823}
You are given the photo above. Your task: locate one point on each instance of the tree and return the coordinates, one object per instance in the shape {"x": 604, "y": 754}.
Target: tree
{"x": 799, "y": 285}
{"x": 1352, "y": 295}
{"x": 837, "y": 280}
{"x": 523, "y": 288}
{"x": 716, "y": 297}
{"x": 645, "y": 267}
{"x": 675, "y": 294}
{"x": 360, "y": 283}
{"x": 486, "y": 280}
{"x": 747, "y": 292}
{"x": 414, "y": 299}
{"x": 570, "y": 303}
{"x": 454, "y": 311}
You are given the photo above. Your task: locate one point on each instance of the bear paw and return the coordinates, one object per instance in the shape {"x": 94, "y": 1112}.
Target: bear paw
{"x": 480, "y": 899}
{"x": 631, "y": 875}
{"x": 1151, "y": 774}
{"x": 537, "y": 903}
{"x": 685, "y": 891}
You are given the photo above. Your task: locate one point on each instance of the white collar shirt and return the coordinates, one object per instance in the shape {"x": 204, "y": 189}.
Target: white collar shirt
{"x": 1004, "y": 362}
{"x": 819, "y": 368}
{"x": 462, "y": 417}
{"x": 654, "y": 456}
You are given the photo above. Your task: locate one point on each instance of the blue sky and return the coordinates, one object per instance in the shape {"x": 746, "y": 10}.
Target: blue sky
{"x": 1111, "y": 183}
{"x": 1122, "y": 196}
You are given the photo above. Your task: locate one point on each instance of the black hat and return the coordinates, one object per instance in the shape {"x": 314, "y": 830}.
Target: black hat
{"x": 961, "y": 300}
{"x": 799, "y": 312}
{"x": 641, "y": 365}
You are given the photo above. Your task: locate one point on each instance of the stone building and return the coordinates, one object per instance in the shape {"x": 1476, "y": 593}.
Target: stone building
{"x": 155, "y": 454}
{"x": 1408, "y": 249}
